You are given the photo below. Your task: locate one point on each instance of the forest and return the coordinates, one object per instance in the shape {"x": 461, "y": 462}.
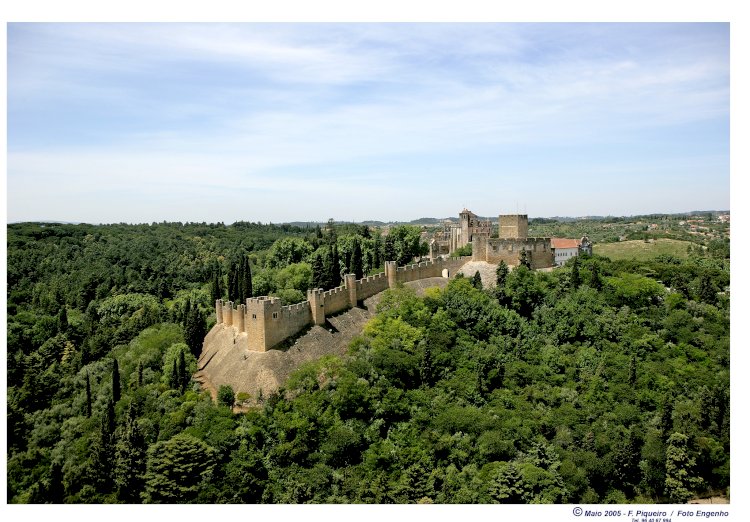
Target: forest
{"x": 600, "y": 382}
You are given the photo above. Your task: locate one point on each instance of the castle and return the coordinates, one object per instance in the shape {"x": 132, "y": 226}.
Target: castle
{"x": 512, "y": 239}
{"x": 263, "y": 323}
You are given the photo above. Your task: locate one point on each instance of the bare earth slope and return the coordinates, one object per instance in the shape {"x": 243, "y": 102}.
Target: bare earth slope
{"x": 226, "y": 360}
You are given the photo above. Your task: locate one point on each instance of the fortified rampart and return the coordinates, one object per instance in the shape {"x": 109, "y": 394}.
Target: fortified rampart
{"x": 267, "y": 323}
{"x": 493, "y": 250}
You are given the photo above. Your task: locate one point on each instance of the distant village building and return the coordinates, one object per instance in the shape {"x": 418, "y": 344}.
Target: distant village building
{"x": 566, "y": 249}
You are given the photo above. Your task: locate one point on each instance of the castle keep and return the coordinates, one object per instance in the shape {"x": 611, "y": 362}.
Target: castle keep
{"x": 262, "y": 322}
{"x": 512, "y": 239}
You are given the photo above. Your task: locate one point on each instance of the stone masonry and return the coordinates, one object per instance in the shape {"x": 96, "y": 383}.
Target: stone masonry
{"x": 266, "y": 323}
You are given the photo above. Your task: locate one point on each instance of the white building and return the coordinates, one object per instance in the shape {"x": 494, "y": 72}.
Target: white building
{"x": 566, "y": 249}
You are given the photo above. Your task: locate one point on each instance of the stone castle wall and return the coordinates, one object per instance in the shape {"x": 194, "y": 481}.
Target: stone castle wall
{"x": 267, "y": 323}
{"x": 494, "y": 250}
{"x": 371, "y": 285}
{"x": 513, "y": 226}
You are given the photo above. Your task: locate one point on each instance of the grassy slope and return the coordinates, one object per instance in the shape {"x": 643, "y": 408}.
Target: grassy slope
{"x": 641, "y": 250}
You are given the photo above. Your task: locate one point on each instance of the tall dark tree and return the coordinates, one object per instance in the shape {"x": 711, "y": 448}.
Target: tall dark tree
{"x": 195, "y": 331}
{"x": 502, "y": 274}
{"x": 186, "y": 311}
{"x": 232, "y": 287}
{"x": 377, "y": 251}
{"x": 319, "y": 276}
{"x": 596, "y": 278}
{"x": 476, "y": 281}
{"x": 56, "y": 488}
{"x": 130, "y": 453}
{"x": 246, "y": 280}
{"x": 116, "y": 390}
{"x": 633, "y": 371}
{"x": 335, "y": 279}
{"x": 102, "y": 450}
{"x": 575, "y": 276}
{"x": 140, "y": 374}
{"x": 174, "y": 376}
{"x": 356, "y": 265}
{"x": 216, "y": 290}
{"x": 182, "y": 374}
{"x": 62, "y": 320}
{"x": 389, "y": 248}
{"x": 88, "y": 395}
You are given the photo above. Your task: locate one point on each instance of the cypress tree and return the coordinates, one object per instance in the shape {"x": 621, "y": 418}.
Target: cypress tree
{"x": 195, "y": 331}
{"x": 215, "y": 288}
{"x": 377, "y": 252}
{"x": 174, "y": 376}
{"x": 389, "y": 250}
{"x": 596, "y": 279}
{"x": 62, "y": 320}
{"x": 476, "y": 281}
{"x": 335, "y": 279}
{"x": 130, "y": 464}
{"x": 502, "y": 274}
{"x": 88, "y": 396}
{"x": 115, "y": 381}
{"x": 356, "y": 266}
{"x": 246, "y": 277}
{"x": 140, "y": 374}
{"x": 102, "y": 451}
{"x": 318, "y": 276}
{"x": 633, "y": 374}
{"x": 231, "y": 283}
{"x": 182, "y": 375}
{"x": 56, "y": 488}
{"x": 575, "y": 276}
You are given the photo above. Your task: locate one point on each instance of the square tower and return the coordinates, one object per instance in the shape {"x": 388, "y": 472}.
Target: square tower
{"x": 514, "y": 226}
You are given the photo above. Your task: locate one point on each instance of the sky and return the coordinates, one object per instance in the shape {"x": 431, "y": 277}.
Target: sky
{"x": 287, "y": 122}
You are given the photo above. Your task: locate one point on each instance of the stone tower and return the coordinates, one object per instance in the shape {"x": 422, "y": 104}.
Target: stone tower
{"x": 465, "y": 223}
{"x": 514, "y": 226}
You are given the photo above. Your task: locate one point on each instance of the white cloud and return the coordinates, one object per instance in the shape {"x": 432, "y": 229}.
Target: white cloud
{"x": 264, "y": 107}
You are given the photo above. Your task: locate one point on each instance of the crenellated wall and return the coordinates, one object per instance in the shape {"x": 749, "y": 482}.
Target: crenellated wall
{"x": 371, "y": 285}
{"x": 267, "y": 323}
{"x": 494, "y": 250}
{"x": 335, "y": 300}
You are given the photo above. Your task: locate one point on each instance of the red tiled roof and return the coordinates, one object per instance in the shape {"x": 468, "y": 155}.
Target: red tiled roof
{"x": 561, "y": 242}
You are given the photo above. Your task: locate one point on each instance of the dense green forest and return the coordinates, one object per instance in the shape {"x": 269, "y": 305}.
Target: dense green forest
{"x": 601, "y": 381}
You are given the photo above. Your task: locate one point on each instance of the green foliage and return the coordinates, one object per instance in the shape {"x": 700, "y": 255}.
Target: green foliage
{"x": 195, "y": 330}
{"x": 287, "y": 251}
{"x": 476, "y": 281}
{"x": 226, "y": 396}
{"x": 177, "y": 468}
{"x": 535, "y": 391}
{"x": 463, "y": 251}
{"x": 633, "y": 290}
{"x": 178, "y": 366}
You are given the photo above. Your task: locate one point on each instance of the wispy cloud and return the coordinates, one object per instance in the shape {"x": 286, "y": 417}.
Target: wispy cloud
{"x": 299, "y": 108}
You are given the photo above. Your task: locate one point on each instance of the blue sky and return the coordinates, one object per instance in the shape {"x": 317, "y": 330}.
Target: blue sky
{"x": 304, "y": 122}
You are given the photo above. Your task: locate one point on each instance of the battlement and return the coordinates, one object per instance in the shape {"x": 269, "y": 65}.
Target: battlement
{"x": 508, "y": 249}
{"x": 267, "y": 323}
